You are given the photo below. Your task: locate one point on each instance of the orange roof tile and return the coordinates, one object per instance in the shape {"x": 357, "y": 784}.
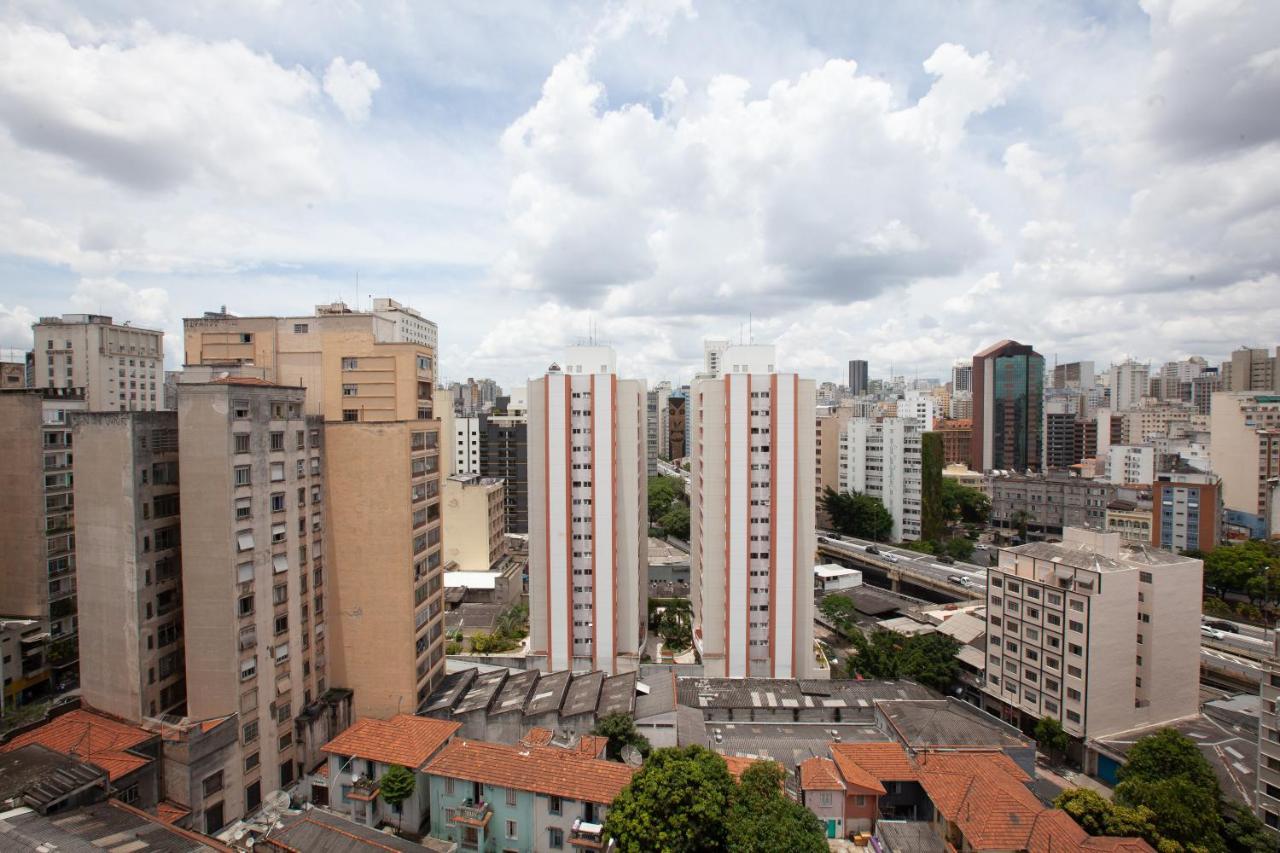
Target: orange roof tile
{"x": 984, "y": 793}
{"x": 542, "y": 769}
{"x": 1054, "y": 830}
{"x": 738, "y": 765}
{"x": 90, "y": 736}
{"x": 819, "y": 774}
{"x": 170, "y": 812}
{"x": 404, "y": 739}
{"x": 867, "y": 765}
{"x": 592, "y": 745}
{"x": 537, "y": 736}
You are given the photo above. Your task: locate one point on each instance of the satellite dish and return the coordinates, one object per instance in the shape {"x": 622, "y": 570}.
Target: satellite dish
{"x": 274, "y": 803}
{"x": 631, "y": 756}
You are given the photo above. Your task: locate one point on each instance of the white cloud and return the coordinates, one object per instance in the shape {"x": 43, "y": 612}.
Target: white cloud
{"x": 351, "y": 86}
{"x": 15, "y": 328}
{"x": 147, "y": 306}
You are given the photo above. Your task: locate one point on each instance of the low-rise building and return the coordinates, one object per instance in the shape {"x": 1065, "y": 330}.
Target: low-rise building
{"x": 1052, "y": 501}
{"x": 1131, "y": 521}
{"x": 492, "y": 796}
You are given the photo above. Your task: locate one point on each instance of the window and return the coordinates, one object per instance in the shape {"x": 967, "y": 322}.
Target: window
{"x": 282, "y": 624}
{"x": 448, "y": 786}
{"x": 212, "y": 784}
{"x": 250, "y": 731}
{"x": 350, "y": 390}
{"x": 554, "y": 805}
{"x": 245, "y": 605}
{"x": 350, "y": 415}
{"x": 1144, "y": 577}
{"x": 242, "y": 442}
{"x": 300, "y": 328}
{"x": 350, "y": 363}
{"x": 278, "y": 533}
{"x": 244, "y": 509}
{"x": 242, "y": 477}
{"x": 240, "y": 409}
{"x": 511, "y": 829}
{"x": 1072, "y": 716}
{"x": 511, "y": 796}
{"x": 286, "y": 741}
{"x": 555, "y": 838}
{"x": 1075, "y": 626}
{"x": 277, "y": 472}
{"x": 1074, "y": 649}
{"x": 860, "y": 799}
{"x": 248, "y": 668}
{"x": 282, "y": 653}
{"x": 277, "y": 502}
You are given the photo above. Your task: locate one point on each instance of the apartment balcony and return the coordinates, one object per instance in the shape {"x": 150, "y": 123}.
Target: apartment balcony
{"x": 587, "y": 835}
{"x": 473, "y": 814}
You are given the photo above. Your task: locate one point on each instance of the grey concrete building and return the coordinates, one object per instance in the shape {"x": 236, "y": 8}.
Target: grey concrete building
{"x": 1053, "y": 501}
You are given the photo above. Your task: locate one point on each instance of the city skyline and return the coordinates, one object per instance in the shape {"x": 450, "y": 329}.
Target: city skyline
{"x": 990, "y": 179}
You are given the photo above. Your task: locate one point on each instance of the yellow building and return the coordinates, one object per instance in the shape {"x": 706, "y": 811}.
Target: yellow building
{"x": 475, "y": 527}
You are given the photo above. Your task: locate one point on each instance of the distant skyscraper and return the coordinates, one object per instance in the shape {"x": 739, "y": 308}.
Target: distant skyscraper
{"x": 961, "y": 377}
{"x": 752, "y": 517}
{"x": 1130, "y": 382}
{"x": 857, "y": 377}
{"x": 1008, "y": 401}
{"x": 712, "y": 349}
{"x": 588, "y": 515}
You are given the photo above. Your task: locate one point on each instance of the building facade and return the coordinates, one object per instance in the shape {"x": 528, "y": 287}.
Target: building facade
{"x": 1129, "y": 382}
{"x": 1186, "y": 510}
{"x": 881, "y": 458}
{"x": 1252, "y": 369}
{"x": 504, "y": 455}
{"x": 1131, "y": 465}
{"x": 677, "y": 426}
{"x": 1268, "y": 791}
{"x": 1051, "y": 501}
{"x": 588, "y": 516}
{"x": 752, "y": 518}
{"x": 858, "y": 383}
{"x": 1008, "y": 400}
{"x": 1244, "y": 448}
{"x": 475, "y": 525}
{"x": 115, "y": 367}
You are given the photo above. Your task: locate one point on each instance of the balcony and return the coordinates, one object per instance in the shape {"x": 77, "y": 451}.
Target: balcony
{"x": 587, "y": 835}
{"x": 473, "y": 814}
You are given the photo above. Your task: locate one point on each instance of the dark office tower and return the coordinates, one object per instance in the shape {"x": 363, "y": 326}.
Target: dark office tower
{"x": 857, "y": 377}
{"x": 676, "y": 425}
{"x": 1008, "y": 401}
{"x": 504, "y": 452}
{"x": 1059, "y": 440}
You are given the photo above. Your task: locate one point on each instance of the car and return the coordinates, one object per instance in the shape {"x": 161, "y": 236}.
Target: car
{"x": 947, "y": 560}
{"x": 1211, "y": 632}
{"x": 1222, "y": 626}
{"x": 872, "y": 549}
{"x": 892, "y": 558}
{"x": 958, "y": 580}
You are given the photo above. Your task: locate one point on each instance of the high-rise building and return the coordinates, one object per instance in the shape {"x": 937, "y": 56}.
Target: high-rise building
{"x": 1059, "y": 440}
{"x": 1008, "y": 400}
{"x": 881, "y": 458}
{"x": 115, "y": 367}
{"x": 752, "y": 517}
{"x": 1268, "y": 791}
{"x": 1251, "y": 369}
{"x": 37, "y": 539}
{"x": 252, "y": 471}
{"x": 504, "y": 455}
{"x": 588, "y": 515}
{"x": 1244, "y": 446}
{"x": 465, "y": 438}
{"x": 1130, "y": 382}
{"x": 382, "y": 490}
{"x": 1176, "y": 376}
{"x": 1131, "y": 464}
{"x": 1077, "y": 375}
{"x": 1186, "y": 510}
{"x": 129, "y": 565}
{"x": 858, "y": 377}
{"x": 677, "y": 425}
{"x": 961, "y": 377}
{"x": 663, "y": 390}
{"x": 828, "y": 433}
{"x": 1203, "y": 387}
{"x": 410, "y": 326}
{"x": 712, "y": 353}
{"x": 652, "y": 426}
{"x": 957, "y": 441}
{"x": 474, "y": 523}
{"x": 1061, "y": 638}
{"x": 922, "y": 407}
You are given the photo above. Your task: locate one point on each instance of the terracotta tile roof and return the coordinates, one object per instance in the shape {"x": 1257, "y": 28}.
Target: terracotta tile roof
{"x": 537, "y": 736}
{"x": 90, "y": 736}
{"x": 819, "y": 774}
{"x": 867, "y": 765}
{"x": 542, "y": 769}
{"x": 592, "y": 745}
{"x": 404, "y": 739}
{"x": 170, "y": 812}
{"x": 984, "y": 793}
{"x": 1054, "y": 831}
{"x": 738, "y": 765}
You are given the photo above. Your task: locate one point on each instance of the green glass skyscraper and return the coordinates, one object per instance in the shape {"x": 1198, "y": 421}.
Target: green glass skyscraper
{"x": 1008, "y": 407}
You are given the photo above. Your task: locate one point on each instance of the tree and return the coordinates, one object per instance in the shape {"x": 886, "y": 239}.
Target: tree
{"x": 662, "y": 493}
{"x": 838, "y": 608}
{"x": 1050, "y": 736}
{"x": 1021, "y": 518}
{"x": 960, "y": 548}
{"x": 762, "y": 819}
{"x": 513, "y": 622}
{"x": 620, "y": 729}
{"x": 858, "y": 515}
{"x": 396, "y": 786}
{"x": 934, "y": 520}
{"x": 1096, "y": 816}
{"x": 679, "y": 801}
{"x": 931, "y": 660}
{"x": 676, "y": 522}
{"x": 1166, "y": 773}
{"x": 676, "y": 630}
{"x": 489, "y": 644}
{"x": 962, "y": 503}
{"x": 1243, "y": 831}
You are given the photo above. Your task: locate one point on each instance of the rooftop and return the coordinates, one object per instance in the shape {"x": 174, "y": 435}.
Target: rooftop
{"x": 109, "y": 825}
{"x": 819, "y": 774}
{"x": 38, "y": 777}
{"x": 92, "y": 737}
{"x": 404, "y": 739}
{"x": 541, "y": 769}
{"x": 1075, "y": 556}
{"x": 909, "y": 836}
{"x": 922, "y": 724}
{"x": 319, "y": 831}
{"x": 985, "y": 794}
{"x": 709, "y": 693}
{"x": 867, "y": 765}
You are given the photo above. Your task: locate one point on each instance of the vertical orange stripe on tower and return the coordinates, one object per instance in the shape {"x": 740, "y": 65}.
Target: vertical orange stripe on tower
{"x": 773, "y": 524}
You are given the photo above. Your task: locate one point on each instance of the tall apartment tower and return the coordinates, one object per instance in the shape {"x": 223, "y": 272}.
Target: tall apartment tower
{"x": 1244, "y": 444}
{"x": 881, "y": 457}
{"x": 1101, "y": 636}
{"x": 961, "y": 376}
{"x": 129, "y": 567}
{"x": 382, "y": 461}
{"x": 1077, "y": 375}
{"x": 115, "y": 367}
{"x": 1268, "y": 791}
{"x": 588, "y": 515}
{"x": 713, "y": 355}
{"x": 1252, "y": 369}
{"x": 1008, "y": 405}
{"x": 37, "y": 539}
{"x": 1130, "y": 382}
{"x": 663, "y": 390}
{"x": 752, "y": 517}
{"x": 858, "y": 383}
{"x": 504, "y": 454}
{"x": 1187, "y": 510}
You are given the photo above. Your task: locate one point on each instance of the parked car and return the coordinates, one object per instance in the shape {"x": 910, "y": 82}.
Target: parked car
{"x": 1211, "y": 632}
{"x": 947, "y": 560}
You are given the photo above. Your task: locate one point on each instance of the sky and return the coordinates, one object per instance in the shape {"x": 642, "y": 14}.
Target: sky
{"x": 902, "y": 181}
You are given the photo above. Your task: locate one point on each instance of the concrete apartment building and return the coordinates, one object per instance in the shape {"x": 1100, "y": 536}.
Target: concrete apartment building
{"x": 1251, "y": 369}
{"x": 251, "y": 472}
{"x": 828, "y": 433}
{"x": 1101, "y": 636}
{"x": 374, "y": 392}
{"x": 752, "y": 518}
{"x": 1054, "y": 501}
{"x": 1131, "y": 465}
{"x": 1186, "y": 510}
{"x": 1129, "y": 383}
{"x": 38, "y": 572}
{"x": 1074, "y": 374}
{"x": 881, "y": 458}
{"x": 713, "y": 355}
{"x": 13, "y": 374}
{"x": 115, "y": 367}
{"x": 663, "y": 390}
{"x": 588, "y": 515}
{"x": 961, "y": 377}
{"x": 858, "y": 383}
{"x": 1268, "y": 792}
{"x": 129, "y": 566}
{"x": 1244, "y": 447}
{"x": 1150, "y": 422}
{"x": 652, "y": 425}
{"x": 409, "y": 324}
{"x": 475, "y": 527}
{"x": 1008, "y": 403}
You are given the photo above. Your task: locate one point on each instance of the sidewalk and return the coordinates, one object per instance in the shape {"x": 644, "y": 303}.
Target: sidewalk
{"x": 1069, "y": 778}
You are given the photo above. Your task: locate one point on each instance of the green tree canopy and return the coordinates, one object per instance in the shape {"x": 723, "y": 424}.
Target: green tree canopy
{"x": 927, "y": 658}
{"x": 1050, "y": 735}
{"x": 621, "y": 731}
{"x": 663, "y": 492}
{"x": 675, "y": 521}
{"x": 934, "y": 520}
{"x": 396, "y": 786}
{"x": 1166, "y": 773}
{"x": 1097, "y": 816}
{"x": 959, "y": 548}
{"x": 962, "y": 503}
{"x": 858, "y": 515}
{"x": 762, "y": 819}
{"x": 679, "y": 801}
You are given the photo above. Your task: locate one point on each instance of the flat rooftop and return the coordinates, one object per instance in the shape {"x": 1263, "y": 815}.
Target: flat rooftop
{"x": 921, "y": 724}
{"x": 711, "y": 693}
{"x": 1065, "y": 554}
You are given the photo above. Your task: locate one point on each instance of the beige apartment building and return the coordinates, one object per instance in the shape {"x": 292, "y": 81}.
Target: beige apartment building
{"x": 116, "y": 367}
{"x": 475, "y": 526}
{"x": 129, "y": 566}
{"x": 588, "y": 516}
{"x": 1252, "y": 369}
{"x": 37, "y": 540}
{"x": 752, "y": 517}
{"x": 373, "y": 389}
{"x": 830, "y": 427}
{"x": 254, "y": 575}
{"x": 1102, "y": 636}
{"x": 1244, "y": 446}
